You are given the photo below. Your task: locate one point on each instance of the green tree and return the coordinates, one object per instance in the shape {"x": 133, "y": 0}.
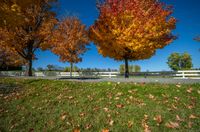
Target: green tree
{"x": 173, "y": 61}
{"x": 131, "y": 68}
{"x": 50, "y": 67}
{"x": 177, "y": 61}
{"x": 137, "y": 68}
{"x": 186, "y": 61}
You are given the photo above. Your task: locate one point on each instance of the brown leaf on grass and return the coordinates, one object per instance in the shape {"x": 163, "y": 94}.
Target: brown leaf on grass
{"x": 111, "y": 122}
{"x": 119, "y": 105}
{"x": 88, "y": 126}
{"x": 189, "y": 90}
{"x": 76, "y": 130}
{"x": 178, "y": 118}
{"x": 198, "y": 91}
{"x": 192, "y": 116}
{"x": 158, "y": 119}
{"x": 130, "y": 124}
{"x": 70, "y": 97}
{"x": 105, "y": 130}
{"x": 151, "y": 96}
{"x": 119, "y": 94}
{"x": 63, "y": 116}
{"x": 116, "y": 98}
{"x": 178, "y": 85}
{"x": 106, "y": 109}
{"x": 174, "y": 107}
{"x": 172, "y": 125}
{"x": 145, "y": 124}
{"x": 82, "y": 114}
{"x": 177, "y": 98}
{"x": 190, "y": 106}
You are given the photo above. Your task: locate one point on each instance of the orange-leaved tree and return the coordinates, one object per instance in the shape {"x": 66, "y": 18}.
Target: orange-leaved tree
{"x": 70, "y": 40}
{"x": 35, "y": 22}
{"x": 8, "y": 56}
{"x": 132, "y": 29}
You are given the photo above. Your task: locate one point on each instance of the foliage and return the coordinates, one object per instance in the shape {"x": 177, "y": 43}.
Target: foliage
{"x": 46, "y": 105}
{"x": 31, "y": 32}
{"x": 132, "y": 29}
{"x": 50, "y": 67}
{"x": 9, "y": 57}
{"x": 69, "y": 40}
{"x": 178, "y": 61}
{"x": 132, "y": 68}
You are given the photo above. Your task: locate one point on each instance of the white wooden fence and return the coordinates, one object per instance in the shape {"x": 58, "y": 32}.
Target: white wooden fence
{"x": 80, "y": 74}
{"x": 187, "y": 74}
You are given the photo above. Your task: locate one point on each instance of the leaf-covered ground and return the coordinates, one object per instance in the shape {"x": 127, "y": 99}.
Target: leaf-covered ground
{"x": 48, "y": 105}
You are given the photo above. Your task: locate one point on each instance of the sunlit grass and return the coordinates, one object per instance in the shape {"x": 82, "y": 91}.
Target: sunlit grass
{"x": 47, "y": 105}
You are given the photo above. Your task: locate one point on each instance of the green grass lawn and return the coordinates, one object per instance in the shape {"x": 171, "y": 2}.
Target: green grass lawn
{"x": 47, "y": 105}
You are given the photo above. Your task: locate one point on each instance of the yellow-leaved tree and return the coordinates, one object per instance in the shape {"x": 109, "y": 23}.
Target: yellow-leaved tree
{"x": 132, "y": 29}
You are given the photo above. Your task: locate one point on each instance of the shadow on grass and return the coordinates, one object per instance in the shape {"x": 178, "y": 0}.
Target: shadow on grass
{"x": 9, "y": 88}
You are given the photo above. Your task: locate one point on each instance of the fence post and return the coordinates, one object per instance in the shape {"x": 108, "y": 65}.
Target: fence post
{"x": 183, "y": 74}
{"x": 109, "y": 74}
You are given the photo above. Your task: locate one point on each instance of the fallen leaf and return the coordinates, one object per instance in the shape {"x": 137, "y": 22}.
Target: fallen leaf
{"x": 76, "y": 130}
{"x": 111, "y": 122}
{"x": 116, "y": 98}
{"x": 198, "y": 91}
{"x": 172, "y": 124}
{"x": 130, "y": 124}
{"x": 70, "y": 97}
{"x": 178, "y": 118}
{"x": 63, "y": 116}
{"x": 88, "y": 126}
{"x": 178, "y": 85}
{"x": 190, "y": 106}
{"x": 174, "y": 107}
{"x": 189, "y": 90}
{"x": 145, "y": 125}
{"x": 119, "y": 105}
{"x": 192, "y": 116}
{"x": 105, "y": 130}
{"x": 105, "y": 109}
{"x": 82, "y": 114}
{"x": 158, "y": 119}
{"x": 151, "y": 96}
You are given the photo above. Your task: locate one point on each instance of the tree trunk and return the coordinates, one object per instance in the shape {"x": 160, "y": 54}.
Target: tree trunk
{"x": 126, "y": 74}
{"x": 29, "y": 68}
{"x": 71, "y": 69}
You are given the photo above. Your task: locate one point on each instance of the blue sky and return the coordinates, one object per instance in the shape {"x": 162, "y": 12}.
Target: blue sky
{"x": 188, "y": 26}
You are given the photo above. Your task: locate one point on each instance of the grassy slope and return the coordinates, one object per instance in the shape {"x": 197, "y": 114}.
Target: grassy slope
{"x": 48, "y": 105}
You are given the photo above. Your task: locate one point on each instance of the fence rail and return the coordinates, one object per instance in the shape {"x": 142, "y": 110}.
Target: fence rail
{"x": 187, "y": 74}
{"x": 191, "y": 74}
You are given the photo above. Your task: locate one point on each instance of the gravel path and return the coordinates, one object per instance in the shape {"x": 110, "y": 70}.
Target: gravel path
{"x": 132, "y": 80}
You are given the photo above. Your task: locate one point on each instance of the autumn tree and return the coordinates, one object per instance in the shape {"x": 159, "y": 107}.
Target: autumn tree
{"x": 177, "y": 61}
{"x": 8, "y": 56}
{"x": 70, "y": 41}
{"x": 132, "y": 29}
{"x": 32, "y": 28}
